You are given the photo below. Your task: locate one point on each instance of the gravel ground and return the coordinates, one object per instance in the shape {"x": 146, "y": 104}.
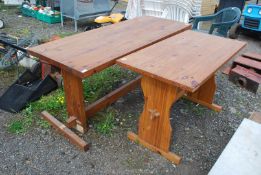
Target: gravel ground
{"x": 199, "y": 134}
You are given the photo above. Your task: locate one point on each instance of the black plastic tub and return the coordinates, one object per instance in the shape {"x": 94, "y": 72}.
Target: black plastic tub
{"x": 28, "y": 88}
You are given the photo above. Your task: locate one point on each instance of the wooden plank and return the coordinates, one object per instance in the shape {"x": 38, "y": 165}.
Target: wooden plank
{"x": 256, "y": 116}
{"x": 90, "y": 110}
{"x": 89, "y": 52}
{"x": 185, "y": 60}
{"x": 75, "y": 104}
{"x": 71, "y": 122}
{"x": 251, "y": 55}
{"x": 75, "y": 139}
{"x": 168, "y": 155}
{"x": 248, "y": 63}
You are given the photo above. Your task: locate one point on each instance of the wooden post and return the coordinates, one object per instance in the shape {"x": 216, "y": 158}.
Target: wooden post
{"x": 73, "y": 89}
{"x": 205, "y": 95}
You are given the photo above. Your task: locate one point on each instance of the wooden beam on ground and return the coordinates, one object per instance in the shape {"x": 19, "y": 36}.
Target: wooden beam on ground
{"x": 75, "y": 139}
{"x": 168, "y": 155}
{"x": 91, "y": 109}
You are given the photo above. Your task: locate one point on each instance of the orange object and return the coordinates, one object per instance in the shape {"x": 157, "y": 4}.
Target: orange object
{"x": 55, "y": 37}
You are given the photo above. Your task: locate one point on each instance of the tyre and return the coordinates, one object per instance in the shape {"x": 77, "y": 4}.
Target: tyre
{"x": 92, "y": 26}
{"x": 2, "y": 24}
{"x": 234, "y": 31}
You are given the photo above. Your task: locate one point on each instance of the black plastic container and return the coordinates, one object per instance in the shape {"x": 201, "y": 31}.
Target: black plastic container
{"x": 28, "y": 88}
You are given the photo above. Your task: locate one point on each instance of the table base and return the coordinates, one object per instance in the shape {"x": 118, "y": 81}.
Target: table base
{"x": 154, "y": 130}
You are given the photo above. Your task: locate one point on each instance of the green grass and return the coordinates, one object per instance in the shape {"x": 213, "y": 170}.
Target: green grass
{"x": 104, "y": 122}
{"x": 65, "y": 34}
{"x": 100, "y": 84}
{"x": 95, "y": 87}
{"x": 54, "y": 103}
{"x": 25, "y": 32}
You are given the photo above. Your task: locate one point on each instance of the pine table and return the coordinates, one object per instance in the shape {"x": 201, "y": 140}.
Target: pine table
{"x": 84, "y": 54}
{"x": 182, "y": 65}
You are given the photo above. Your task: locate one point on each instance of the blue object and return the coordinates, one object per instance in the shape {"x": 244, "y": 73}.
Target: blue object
{"x": 222, "y": 20}
{"x": 252, "y": 17}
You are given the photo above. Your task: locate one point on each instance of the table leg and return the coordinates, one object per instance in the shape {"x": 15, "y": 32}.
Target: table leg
{"x": 205, "y": 95}
{"x": 73, "y": 89}
{"x": 154, "y": 123}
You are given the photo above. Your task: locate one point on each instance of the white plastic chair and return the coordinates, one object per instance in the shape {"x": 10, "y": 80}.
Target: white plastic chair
{"x": 133, "y": 9}
{"x": 161, "y": 8}
{"x": 177, "y": 13}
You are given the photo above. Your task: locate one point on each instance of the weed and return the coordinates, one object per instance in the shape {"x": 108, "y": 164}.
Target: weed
{"x": 16, "y": 127}
{"x": 54, "y": 103}
{"x": 24, "y": 32}
{"x": 21, "y": 125}
{"x": 95, "y": 87}
{"x": 104, "y": 122}
{"x": 65, "y": 34}
{"x": 195, "y": 108}
{"x": 103, "y": 82}
{"x": 198, "y": 110}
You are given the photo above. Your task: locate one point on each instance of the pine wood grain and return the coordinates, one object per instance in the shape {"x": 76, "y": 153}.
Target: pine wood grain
{"x": 89, "y": 52}
{"x": 75, "y": 105}
{"x": 75, "y": 139}
{"x": 154, "y": 124}
{"x": 185, "y": 60}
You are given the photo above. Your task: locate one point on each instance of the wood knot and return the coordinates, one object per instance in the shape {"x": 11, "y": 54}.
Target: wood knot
{"x": 153, "y": 114}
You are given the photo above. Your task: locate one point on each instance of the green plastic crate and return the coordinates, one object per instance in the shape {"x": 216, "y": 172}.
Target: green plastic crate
{"x": 49, "y": 19}
{"x": 29, "y": 12}
{"x": 41, "y": 2}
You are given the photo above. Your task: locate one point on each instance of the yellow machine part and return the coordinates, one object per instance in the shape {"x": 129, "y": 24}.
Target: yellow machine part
{"x": 113, "y": 18}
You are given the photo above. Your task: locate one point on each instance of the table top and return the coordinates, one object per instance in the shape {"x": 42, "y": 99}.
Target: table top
{"x": 89, "y": 52}
{"x": 185, "y": 60}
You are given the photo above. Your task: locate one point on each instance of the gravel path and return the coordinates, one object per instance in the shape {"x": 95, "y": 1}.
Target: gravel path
{"x": 199, "y": 135}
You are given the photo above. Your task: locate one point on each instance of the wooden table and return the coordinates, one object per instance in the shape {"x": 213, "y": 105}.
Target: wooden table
{"x": 184, "y": 64}
{"x": 84, "y": 54}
